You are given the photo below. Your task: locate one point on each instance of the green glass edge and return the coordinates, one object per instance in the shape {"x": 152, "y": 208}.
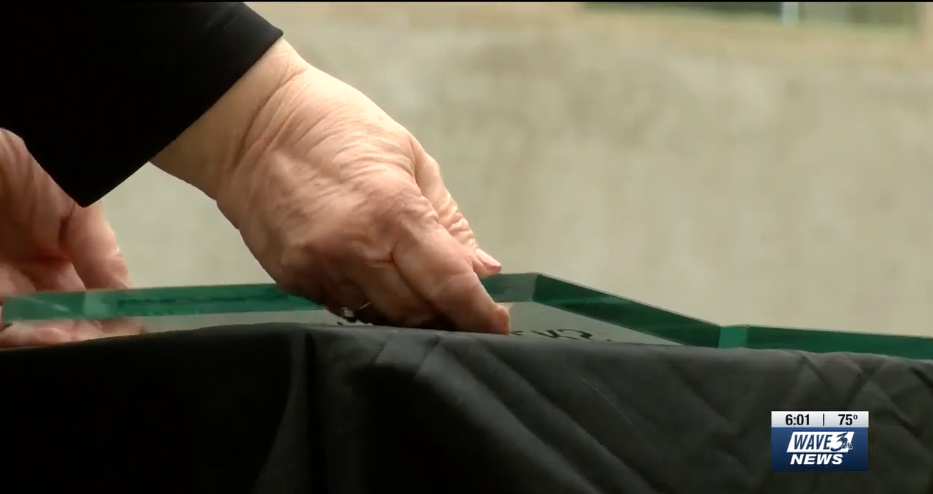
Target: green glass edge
{"x": 620, "y": 311}
{"x": 504, "y": 288}
{"x": 234, "y": 299}
{"x": 824, "y": 341}
{"x": 198, "y": 300}
{"x": 153, "y": 302}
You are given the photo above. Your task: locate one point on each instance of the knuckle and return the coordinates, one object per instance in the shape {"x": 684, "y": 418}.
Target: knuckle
{"x": 293, "y": 258}
{"x": 296, "y": 268}
{"x": 404, "y": 204}
{"x": 391, "y": 218}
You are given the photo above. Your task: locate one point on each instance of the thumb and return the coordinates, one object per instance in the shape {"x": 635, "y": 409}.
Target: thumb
{"x": 429, "y": 179}
{"x": 92, "y": 247}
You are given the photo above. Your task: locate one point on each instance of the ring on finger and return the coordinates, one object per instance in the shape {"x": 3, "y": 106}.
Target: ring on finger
{"x": 365, "y": 314}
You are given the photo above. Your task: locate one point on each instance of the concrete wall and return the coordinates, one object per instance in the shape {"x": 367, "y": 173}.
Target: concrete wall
{"x": 736, "y": 172}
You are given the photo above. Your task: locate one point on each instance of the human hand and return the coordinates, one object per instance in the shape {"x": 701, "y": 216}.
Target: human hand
{"x": 339, "y": 203}
{"x": 49, "y": 243}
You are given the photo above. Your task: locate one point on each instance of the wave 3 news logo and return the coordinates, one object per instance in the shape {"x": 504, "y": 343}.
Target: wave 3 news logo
{"x": 819, "y": 448}
{"x": 806, "y": 441}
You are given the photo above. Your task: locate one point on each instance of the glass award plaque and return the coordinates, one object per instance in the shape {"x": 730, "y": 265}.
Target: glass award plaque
{"x": 540, "y": 306}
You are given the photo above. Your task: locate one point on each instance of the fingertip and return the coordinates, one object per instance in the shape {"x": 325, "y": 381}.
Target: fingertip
{"x": 489, "y": 262}
{"x": 503, "y": 320}
{"x": 470, "y": 309}
{"x": 484, "y": 269}
{"x": 485, "y": 316}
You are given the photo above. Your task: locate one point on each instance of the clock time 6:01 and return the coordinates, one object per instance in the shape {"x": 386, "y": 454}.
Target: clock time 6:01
{"x": 799, "y": 419}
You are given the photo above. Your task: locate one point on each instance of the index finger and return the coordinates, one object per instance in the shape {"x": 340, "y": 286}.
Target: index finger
{"x": 92, "y": 247}
{"x": 436, "y": 267}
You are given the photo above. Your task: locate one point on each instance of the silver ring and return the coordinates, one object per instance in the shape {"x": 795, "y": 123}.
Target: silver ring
{"x": 351, "y": 315}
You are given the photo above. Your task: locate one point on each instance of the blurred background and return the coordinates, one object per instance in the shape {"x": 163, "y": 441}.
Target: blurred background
{"x": 742, "y": 162}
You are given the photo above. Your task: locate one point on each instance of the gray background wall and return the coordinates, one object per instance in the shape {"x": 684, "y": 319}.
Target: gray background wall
{"x": 736, "y": 172}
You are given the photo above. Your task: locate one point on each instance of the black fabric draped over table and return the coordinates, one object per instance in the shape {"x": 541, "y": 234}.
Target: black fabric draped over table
{"x": 288, "y": 408}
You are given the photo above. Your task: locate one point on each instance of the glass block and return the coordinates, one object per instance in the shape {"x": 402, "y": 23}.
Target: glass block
{"x": 540, "y": 306}
{"x": 823, "y": 341}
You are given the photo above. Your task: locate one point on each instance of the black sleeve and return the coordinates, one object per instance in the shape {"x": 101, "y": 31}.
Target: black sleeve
{"x": 98, "y": 89}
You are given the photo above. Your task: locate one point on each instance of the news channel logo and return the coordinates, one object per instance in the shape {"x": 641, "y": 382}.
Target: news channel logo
{"x": 819, "y": 441}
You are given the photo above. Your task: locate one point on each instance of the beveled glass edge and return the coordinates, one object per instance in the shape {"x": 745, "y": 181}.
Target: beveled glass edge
{"x": 825, "y": 341}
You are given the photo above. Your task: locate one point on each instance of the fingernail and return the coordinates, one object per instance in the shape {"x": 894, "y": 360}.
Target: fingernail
{"x": 503, "y": 320}
{"x": 487, "y": 260}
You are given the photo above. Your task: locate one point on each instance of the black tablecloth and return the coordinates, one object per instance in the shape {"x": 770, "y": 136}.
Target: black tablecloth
{"x": 290, "y": 409}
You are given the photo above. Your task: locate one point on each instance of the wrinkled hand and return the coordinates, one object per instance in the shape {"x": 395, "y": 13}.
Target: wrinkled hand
{"x": 339, "y": 203}
{"x": 49, "y": 243}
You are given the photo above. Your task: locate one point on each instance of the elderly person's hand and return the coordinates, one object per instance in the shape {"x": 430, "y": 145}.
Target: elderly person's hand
{"x": 48, "y": 243}
{"x": 338, "y": 202}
